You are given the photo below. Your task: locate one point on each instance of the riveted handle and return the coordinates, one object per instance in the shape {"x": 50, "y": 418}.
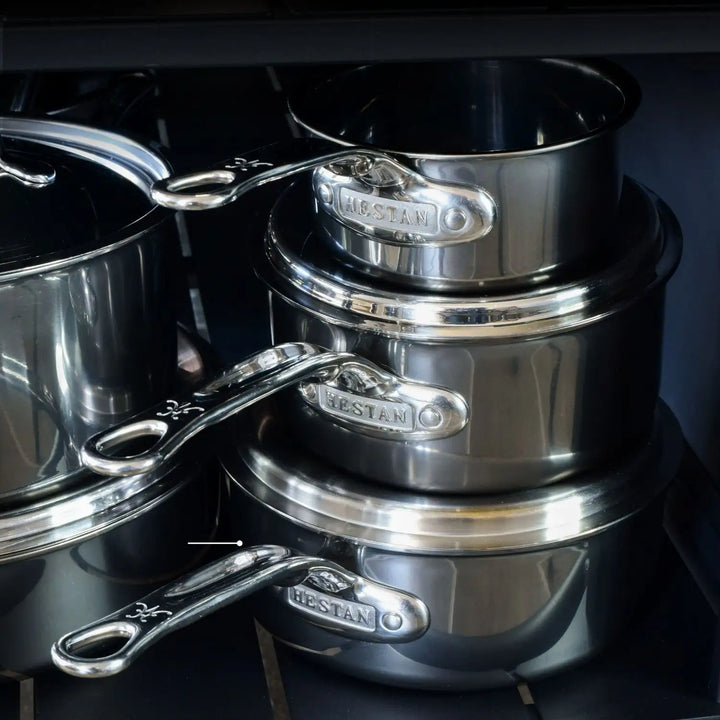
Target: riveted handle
{"x": 173, "y": 422}
{"x": 225, "y": 182}
{"x": 365, "y": 189}
{"x": 390, "y": 615}
{"x": 393, "y": 408}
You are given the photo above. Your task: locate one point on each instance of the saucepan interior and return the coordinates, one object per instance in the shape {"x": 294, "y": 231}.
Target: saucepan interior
{"x": 469, "y": 107}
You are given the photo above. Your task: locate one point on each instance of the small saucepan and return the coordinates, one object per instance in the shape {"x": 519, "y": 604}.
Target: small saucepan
{"x": 492, "y": 174}
{"x": 426, "y": 591}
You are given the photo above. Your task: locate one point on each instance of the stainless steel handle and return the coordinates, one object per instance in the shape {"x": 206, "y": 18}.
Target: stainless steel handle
{"x": 402, "y": 207}
{"x": 366, "y": 399}
{"x": 429, "y": 412}
{"x": 396, "y": 616}
{"x": 176, "y": 420}
{"x": 232, "y": 178}
{"x": 364, "y": 189}
{"x": 30, "y": 171}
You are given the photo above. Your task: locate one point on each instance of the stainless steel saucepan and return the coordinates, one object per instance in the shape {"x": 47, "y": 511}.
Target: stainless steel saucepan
{"x": 461, "y": 394}
{"x": 433, "y": 592}
{"x": 87, "y": 265}
{"x": 450, "y": 176}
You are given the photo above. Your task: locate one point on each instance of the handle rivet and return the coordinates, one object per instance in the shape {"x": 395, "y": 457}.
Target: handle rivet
{"x": 326, "y": 193}
{"x": 309, "y": 391}
{"x": 430, "y": 417}
{"x": 455, "y": 219}
{"x": 391, "y": 621}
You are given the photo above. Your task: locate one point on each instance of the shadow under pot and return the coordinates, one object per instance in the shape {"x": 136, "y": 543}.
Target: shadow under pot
{"x": 433, "y": 592}
{"x": 87, "y": 324}
{"x": 452, "y": 176}
{"x": 442, "y": 394}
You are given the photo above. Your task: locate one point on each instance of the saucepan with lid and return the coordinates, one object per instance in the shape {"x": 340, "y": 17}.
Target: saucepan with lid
{"x": 87, "y": 267}
{"x": 448, "y": 394}
{"x": 457, "y": 176}
{"x": 427, "y": 591}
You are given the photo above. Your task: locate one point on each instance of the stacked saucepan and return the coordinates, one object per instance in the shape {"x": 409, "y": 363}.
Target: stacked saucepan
{"x": 464, "y": 456}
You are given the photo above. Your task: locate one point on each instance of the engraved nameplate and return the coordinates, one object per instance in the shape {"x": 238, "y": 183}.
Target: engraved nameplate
{"x": 339, "y": 612}
{"x": 417, "y": 218}
{"x": 365, "y": 411}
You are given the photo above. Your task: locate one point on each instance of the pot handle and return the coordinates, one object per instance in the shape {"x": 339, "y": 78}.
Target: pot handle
{"x": 224, "y": 183}
{"x": 329, "y": 381}
{"x": 174, "y": 421}
{"x": 365, "y": 189}
{"x": 389, "y": 615}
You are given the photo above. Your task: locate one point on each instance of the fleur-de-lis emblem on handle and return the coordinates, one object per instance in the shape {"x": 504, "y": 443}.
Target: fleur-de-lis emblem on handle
{"x": 243, "y": 164}
{"x": 174, "y": 409}
{"x": 143, "y": 612}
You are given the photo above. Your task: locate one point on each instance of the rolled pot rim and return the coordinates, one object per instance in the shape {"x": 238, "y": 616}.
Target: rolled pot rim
{"x": 58, "y": 522}
{"x": 313, "y": 495}
{"x": 128, "y": 159}
{"x": 331, "y": 292}
{"x": 624, "y": 82}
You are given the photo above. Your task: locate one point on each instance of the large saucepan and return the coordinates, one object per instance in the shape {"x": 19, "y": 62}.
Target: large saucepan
{"x": 87, "y": 320}
{"x": 437, "y": 393}
{"x": 83, "y": 551}
{"x": 432, "y": 592}
{"x": 451, "y": 176}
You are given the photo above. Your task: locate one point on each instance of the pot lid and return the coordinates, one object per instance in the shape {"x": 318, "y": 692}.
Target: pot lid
{"x": 292, "y": 483}
{"x": 298, "y": 267}
{"x": 68, "y": 191}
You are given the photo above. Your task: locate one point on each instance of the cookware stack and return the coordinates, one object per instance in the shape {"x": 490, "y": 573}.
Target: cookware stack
{"x": 462, "y": 476}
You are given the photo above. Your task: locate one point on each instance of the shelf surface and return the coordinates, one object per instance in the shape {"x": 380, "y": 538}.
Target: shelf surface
{"x": 220, "y": 33}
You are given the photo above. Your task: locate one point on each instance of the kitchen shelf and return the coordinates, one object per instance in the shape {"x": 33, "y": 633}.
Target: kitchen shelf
{"x": 79, "y": 36}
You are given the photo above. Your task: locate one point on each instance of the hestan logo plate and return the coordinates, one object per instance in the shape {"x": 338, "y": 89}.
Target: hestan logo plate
{"x": 341, "y": 612}
{"x": 381, "y": 414}
{"x": 409, "y": 217}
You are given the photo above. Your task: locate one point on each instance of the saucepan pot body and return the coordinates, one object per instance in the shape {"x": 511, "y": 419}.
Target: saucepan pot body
{"x": 547, "y": 397}
{"x": 87, "y": 326}
{"x": 538, "y": 136}
{"x": 451, "y": 176}
{"x": 434, "y": 592}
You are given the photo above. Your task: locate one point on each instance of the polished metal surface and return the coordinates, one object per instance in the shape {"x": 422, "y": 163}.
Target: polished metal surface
{"x": 288, "y": 480}
{"x": 93, "y": 505}
{"x": 544, "y": 599}
{"x": 296, "y": 266}
{"x": 507, "y": 177}
{"x": 87, "y": 336}
{"x": 81, "y": 553}
{"x": 557, "y": 380}
{"x": 399, "y": 614}
{"x": 34, "y": 177}
{"x": 401, "y": 207}
{"x": 350, "y": 605}
{"x": 538, "y": 136}
{"x": 98, "y": 568}
{"x": 350, "y": 389}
